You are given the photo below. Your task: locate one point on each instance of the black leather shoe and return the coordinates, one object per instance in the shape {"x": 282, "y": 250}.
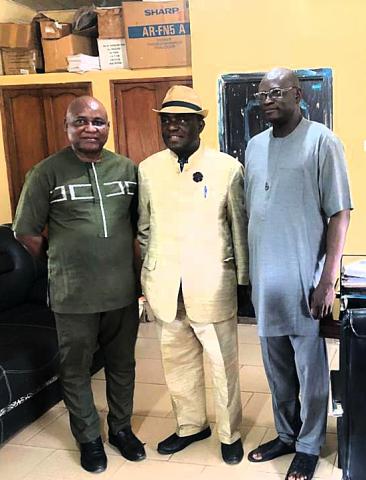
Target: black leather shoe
{"x": 232, "y": 454}
{"x": 175, "y": 444}
{"x": 93, "y": 458}
{"x": 128, "y": 444}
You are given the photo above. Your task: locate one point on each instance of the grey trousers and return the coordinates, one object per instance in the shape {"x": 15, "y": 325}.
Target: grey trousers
{"x": 298, "y": 365}
{"x": 79, "y": 336}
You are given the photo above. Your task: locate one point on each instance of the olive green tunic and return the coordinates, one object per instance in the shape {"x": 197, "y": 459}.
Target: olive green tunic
{"x": 88, "y": 209}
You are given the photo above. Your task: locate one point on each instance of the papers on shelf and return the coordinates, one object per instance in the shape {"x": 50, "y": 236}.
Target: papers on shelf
{"x": 353, "y": 282}
{"x": 82, "y": 63}
{"x": 354, "y": 275}
{"x": 355, "y": 269}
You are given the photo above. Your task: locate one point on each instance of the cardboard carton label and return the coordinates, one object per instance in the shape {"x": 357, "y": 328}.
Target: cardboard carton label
{"x": 161, "y": 11}
{"x": 160, "y": 30}
{"x": 112, "y": 53}
{"x": 19, "y": 61}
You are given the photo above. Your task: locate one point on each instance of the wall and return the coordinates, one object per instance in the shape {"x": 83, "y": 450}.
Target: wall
{"x": 250, "y": 36}
{"x": 101, "y": 90}
{"x": 13, "y": 12}
{"x": 65, "y": 16}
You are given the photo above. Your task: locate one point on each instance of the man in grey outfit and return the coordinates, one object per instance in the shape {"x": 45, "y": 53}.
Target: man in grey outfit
{"x": 298, "y": 204}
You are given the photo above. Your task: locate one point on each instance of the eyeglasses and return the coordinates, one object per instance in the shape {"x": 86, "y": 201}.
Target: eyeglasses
{"x": 273, "y": 94}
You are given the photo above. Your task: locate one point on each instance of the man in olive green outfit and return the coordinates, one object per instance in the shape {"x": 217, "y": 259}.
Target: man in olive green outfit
{"x": 86, "y": 196}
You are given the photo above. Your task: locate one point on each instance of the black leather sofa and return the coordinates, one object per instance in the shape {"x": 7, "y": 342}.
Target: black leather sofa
{"x": 29, "y": 383}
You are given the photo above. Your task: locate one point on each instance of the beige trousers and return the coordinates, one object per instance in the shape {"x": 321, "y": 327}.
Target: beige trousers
{"x": 182, "y": 345}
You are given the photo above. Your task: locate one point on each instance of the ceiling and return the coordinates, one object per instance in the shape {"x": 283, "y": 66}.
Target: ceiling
{"x": 66, "y": 4}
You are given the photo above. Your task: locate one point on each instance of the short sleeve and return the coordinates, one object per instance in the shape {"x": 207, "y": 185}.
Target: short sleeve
{"x": 33, "y": 207}
{"x": 333, "y": 178}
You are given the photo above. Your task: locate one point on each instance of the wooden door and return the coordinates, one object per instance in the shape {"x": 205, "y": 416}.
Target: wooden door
{"x": 137, "y": 131}
{"x": 33, "y": 118}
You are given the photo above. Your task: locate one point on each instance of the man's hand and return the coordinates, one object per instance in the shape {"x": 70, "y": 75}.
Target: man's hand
{"x": 322, "y": 300}
{"x": 35, "y": 244}
{"x": 245, "y": 306}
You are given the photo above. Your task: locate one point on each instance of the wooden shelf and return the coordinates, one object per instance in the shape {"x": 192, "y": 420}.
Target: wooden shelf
{"x": 95, "y": 76}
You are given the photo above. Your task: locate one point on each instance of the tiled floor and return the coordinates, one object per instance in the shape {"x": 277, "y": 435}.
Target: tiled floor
{"x": 46, "y": 450}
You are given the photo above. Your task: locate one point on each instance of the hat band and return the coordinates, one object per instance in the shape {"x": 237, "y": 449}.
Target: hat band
{"x": 178, "y": 103}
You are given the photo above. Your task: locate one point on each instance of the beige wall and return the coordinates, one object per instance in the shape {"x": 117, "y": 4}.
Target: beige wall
{"x": 249, "y": 36}
{"x": 13, "y": 12}
{"x": 65, "y": 16}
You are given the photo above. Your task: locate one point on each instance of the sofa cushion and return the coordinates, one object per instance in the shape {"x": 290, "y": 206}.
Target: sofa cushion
{"x": 14, "y": 283}
{"x": 6, "y": 263}
{"x": 28, "y": 314}
{"x": 28, "y": 354}
{"x": 38, "y": 291}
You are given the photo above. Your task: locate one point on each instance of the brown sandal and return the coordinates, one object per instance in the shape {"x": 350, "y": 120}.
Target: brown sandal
{"x": 270, "y": 450}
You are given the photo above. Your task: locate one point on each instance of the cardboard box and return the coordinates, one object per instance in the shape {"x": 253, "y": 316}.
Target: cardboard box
{"x": 22, "y": 35}
{"x": 112, "y": 53}
{"x": 51, "y": 29}
{"x": 110, "y": 22}
{"x": 17, "y": 35}
{"x": 157, "y": 33}
{"x": 56, "y": 51}
{"x": 19, "y": 61}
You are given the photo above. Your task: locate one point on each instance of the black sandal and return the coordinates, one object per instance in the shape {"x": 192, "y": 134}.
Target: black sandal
{"x": 270, "y": 450}
{"x": 303, "y": 465}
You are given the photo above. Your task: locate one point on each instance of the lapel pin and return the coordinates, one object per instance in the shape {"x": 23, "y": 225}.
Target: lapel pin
{"x": 197, "y": 177}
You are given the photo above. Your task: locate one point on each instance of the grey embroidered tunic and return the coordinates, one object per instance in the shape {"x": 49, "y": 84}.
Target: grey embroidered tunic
{"x": 292, "y": 185}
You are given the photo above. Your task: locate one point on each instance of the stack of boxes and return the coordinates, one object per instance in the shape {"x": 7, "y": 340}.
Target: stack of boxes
{"x": 20, "y": 48}
{"x": 42, "y": 45}
{"x": 111, "y": 42}
{"x": 137, "y": 35}
{"x": 58, "y": 43}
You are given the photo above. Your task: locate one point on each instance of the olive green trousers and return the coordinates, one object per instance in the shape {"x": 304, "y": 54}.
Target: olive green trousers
{"x": 79, "y": 336}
